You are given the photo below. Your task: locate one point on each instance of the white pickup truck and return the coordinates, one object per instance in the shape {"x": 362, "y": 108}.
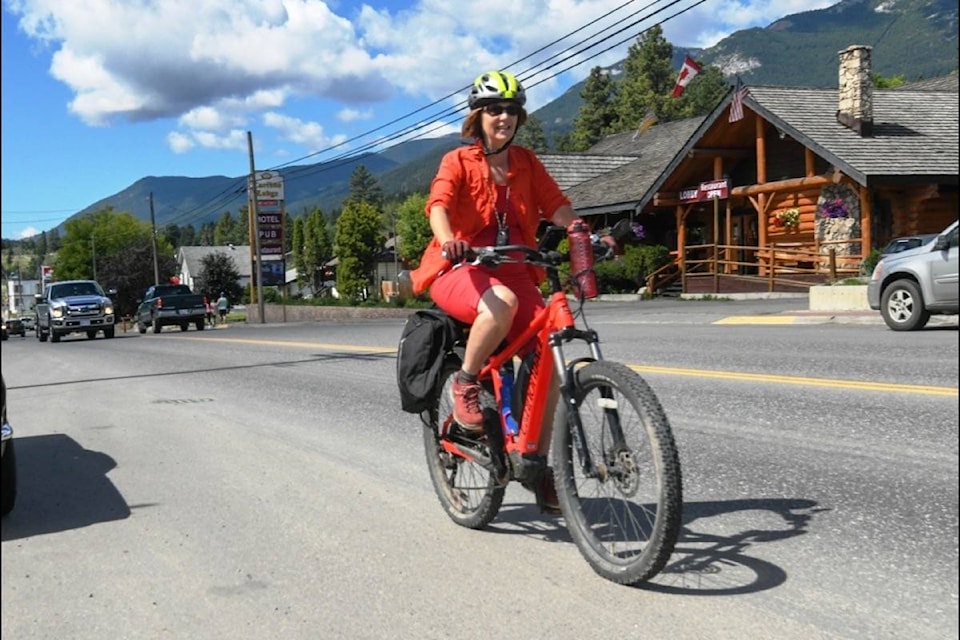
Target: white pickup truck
{"x": 74, "y": 306}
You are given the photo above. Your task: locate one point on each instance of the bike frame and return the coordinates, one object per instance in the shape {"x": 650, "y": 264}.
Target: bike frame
{"x": 551, "y": 327}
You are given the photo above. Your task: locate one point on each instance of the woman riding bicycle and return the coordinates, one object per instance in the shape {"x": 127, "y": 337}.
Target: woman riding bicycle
{"x": 490, "y": 193}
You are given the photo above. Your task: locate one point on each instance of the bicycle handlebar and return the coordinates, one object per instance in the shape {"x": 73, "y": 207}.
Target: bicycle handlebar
{"x": 539, "y": 257}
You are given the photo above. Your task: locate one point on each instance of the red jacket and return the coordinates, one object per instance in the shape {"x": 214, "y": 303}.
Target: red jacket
{"x": 464, "y": 187}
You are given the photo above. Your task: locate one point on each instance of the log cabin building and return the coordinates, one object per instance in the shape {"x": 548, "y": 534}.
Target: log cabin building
{"x": 798, "y": 191}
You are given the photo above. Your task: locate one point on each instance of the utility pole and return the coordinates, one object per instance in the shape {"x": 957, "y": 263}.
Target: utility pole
{"x": 93, "y": 250}
{"x": 255, "y": 232}
{"x": 153, "y": 226}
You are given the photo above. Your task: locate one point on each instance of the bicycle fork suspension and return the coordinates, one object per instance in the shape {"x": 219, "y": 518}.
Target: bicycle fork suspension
{"x": 568, "y": 392}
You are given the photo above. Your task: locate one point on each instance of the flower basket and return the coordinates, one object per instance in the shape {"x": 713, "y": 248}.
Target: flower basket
{"x": 787, "y": 218}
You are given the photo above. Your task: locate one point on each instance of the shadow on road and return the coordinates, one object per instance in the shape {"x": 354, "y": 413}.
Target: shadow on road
{"x": 718, "y": 556}
{"x": 61, "y": 486}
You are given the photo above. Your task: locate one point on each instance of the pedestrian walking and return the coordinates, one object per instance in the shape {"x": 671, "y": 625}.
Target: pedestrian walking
{"x": 222, "y": 306}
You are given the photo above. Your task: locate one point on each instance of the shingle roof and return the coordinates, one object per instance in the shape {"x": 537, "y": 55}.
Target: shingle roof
{"x": 945, "y": 83}
{"x": 914, "y": 132}
{"x": 240, "y": 254}
{"x": 571, "y": 169}
{"x": 622, "y": 187}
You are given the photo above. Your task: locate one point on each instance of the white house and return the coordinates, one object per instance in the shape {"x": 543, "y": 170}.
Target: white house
{"x": 19, "y": 296}
{"x": 190, "y": 262}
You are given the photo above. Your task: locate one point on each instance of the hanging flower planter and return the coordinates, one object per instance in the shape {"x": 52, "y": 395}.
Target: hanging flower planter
{"x": 787, "y": 218}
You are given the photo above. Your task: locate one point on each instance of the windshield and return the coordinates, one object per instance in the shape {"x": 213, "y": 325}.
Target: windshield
{"x": 75, "y": 289}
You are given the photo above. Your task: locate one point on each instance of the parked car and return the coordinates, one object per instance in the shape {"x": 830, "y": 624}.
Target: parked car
{"x": 907, "y": 242}
{"x": 29, "y": 322}
{"x": 171, "y": 304}
{"x": 14, "y": 327}
{"x": 8, "y": 460}
{"x": 910, "y": 286}
{"x": 5, "y": 334}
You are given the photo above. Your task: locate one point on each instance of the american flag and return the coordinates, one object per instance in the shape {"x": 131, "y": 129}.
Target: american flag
{"x": 736, "y": 105}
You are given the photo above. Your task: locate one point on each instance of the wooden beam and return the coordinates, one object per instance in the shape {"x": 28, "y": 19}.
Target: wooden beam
{"x": 790, "y": 184}
{"x": 718, "y": 152}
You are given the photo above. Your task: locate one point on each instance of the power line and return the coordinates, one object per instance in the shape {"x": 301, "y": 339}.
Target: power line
{"x": 448, "y": 115}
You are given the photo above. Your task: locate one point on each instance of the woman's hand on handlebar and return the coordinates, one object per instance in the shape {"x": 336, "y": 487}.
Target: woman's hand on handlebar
{"x": 455, "y": 250}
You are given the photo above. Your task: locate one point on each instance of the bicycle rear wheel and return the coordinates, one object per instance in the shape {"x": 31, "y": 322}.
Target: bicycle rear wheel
{"x": 468, "y": 491}
{"x": 623, "y": 509}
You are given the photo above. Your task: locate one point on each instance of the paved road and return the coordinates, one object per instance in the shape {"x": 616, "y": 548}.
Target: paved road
{"x": 259, "y": 481}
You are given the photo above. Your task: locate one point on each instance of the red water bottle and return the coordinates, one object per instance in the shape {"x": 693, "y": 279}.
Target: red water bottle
{"x": 581, "y": 258}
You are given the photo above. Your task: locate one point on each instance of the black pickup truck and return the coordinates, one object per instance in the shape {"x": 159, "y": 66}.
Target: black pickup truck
{"x": 171, "y": 304}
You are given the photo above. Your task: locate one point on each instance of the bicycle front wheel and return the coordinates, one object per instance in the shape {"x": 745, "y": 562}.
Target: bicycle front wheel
{"x": 621, "y": 494}
{"x": 468, "y": 492}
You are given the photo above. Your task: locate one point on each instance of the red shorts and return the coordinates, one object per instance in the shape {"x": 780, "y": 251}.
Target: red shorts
{"x": 458, "y": 292}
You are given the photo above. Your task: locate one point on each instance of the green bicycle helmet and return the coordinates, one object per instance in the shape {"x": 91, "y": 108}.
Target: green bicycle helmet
{"x": 496, "y": 86}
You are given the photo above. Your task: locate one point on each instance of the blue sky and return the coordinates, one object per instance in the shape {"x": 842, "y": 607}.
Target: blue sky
{"x": 97, "y": 94}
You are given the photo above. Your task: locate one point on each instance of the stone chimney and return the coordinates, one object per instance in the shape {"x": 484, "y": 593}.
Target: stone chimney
{"x": 856, "y": 90}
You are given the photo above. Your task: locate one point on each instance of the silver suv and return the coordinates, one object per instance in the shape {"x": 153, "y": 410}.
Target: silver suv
{"x": 910, "y": 286}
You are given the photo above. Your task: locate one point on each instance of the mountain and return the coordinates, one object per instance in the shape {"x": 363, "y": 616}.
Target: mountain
{"x": 915, "y": 39}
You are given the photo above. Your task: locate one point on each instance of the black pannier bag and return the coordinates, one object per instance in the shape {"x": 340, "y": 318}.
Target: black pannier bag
{"x": 428, "y": 337}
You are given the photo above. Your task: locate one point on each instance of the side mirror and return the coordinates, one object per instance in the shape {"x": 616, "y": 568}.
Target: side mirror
{"x": 38, "y": 297}
{"x": 942, "y": 242}
{"x": 111, "y": 292}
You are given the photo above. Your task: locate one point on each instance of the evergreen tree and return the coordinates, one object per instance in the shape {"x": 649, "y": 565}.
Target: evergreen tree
{"x": 364, "y": 187}
{"x": 648, "y": 81}
{"x": 188, "y": 236}
{"x": 531, "y": 135}
{"x": 223, "y": 231}
{"x": 172, "y": 234}
{"x": 41, "y": 250}
{"x": 702, "y": 94}
{"x": 317, "y": 248}
{"x": 598, "y": 113}
{"x": 358, "y": 241}
{"x": 296, "y": 242}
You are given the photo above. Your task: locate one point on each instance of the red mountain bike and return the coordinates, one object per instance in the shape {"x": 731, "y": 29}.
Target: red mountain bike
{"x": 615, "y": 463}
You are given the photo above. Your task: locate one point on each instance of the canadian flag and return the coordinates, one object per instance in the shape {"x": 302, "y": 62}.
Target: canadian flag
{"x": 689, "y": 69}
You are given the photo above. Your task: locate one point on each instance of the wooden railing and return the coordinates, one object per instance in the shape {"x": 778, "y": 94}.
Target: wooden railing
{"x": 784, "y": 263}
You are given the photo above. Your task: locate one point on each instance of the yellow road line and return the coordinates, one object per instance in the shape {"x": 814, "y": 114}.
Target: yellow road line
{"x": 757, "y": 320}
{"x": 832, "y": 383}
{"x": 304, "y": 345}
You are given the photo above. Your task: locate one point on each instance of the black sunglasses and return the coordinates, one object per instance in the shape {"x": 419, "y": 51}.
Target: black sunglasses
{"x": 497, "y": 109}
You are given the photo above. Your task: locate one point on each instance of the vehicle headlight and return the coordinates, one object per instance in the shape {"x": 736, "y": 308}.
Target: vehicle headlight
{"x": 877, "y": 271}
{"x": 108, "y": 309}
{"x": 56, "y": 312}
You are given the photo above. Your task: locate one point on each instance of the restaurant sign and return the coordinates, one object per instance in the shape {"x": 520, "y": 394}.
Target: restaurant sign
{"x": 705, "y": 191}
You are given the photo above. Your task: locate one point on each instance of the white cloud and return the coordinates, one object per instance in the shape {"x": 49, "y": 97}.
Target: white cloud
{"x": 214, "y": 65}
{"x": 308, "y": 134}
{"x": 29, "y": 232}
{"x": 352, "y": 115}
{"x": 178, "y": 142}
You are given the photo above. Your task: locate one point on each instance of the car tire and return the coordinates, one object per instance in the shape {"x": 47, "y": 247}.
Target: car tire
{"x": 54, "y": 336}
{"x": 109, "y": 332}
{"x": 902, "y": 306}
{"x": 156, "y": 325}
{"x": 8, "y": 479}
{"x": 142, "y": 328}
